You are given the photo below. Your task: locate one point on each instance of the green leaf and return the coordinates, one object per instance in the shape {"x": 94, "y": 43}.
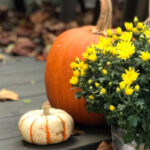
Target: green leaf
{"x": 139, "y": 102}
{"x": 133, "y": 120}
{"x": 78, "y": 95}
{"x": 128, "y": 137}
{"x": 26, "y": 101}
{"x": 121, "y": 107}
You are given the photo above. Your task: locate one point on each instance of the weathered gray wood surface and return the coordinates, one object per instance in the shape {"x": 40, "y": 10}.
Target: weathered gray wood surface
{"x": 26, "y": 77}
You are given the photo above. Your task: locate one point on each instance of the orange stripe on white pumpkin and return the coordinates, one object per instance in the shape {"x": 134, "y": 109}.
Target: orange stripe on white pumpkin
{"x": 64, "y": 127}
{"x": 31, "y": 136}
{"x": 23, "y": 121}
{"x": 48, "y": 137}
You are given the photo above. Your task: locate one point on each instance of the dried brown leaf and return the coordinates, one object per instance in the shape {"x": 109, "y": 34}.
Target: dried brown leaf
{"x": 49, "y": 38}
{"x": 39, "y": 17}
{"x": 105, "y": 146}
{"x": 8, "y": 49}
{"x": 23, "y": 31}
{"x": 2, "y": 57}
{"x": 8, "y": 95}
{"x": 55, "y": 27}
{"x": 23, "y": 47}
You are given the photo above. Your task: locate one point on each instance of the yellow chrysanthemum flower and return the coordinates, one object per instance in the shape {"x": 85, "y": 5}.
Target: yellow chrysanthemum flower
{"x": 103, "y": 43}
{"x": 128, "y": 26}
{"x": 91, "y": 97}
{"x": 85, "y": 66}
{"x": 115, "y": 37}
{"x": 137, "y": 88}
{"x": 92, "y": 57}
{"x": 140, "y": 25}
{"x": 113, "y": 50}
{"x": 76, "y": 73}
{"x": 80, "y": 65}
{"x": 130, "y": 76}
{"x": 135, "y": 30}
{"x": 109, "y": 33}
{"x": 126, "y": 36}
{"x": 74, "y": 80}
{"x": 145, "y": 56}
{"x": 91, "y": 49}
{"x": 125, "y": 49}
{"x": 112, "y": 108}
{"x": 129, "y": 90}
{"x": 85, "y": 55}
{"x": 104, "y": 71}
{"x": 73, "y": 65}
{"x": 118, "y": 31}
{"x": 103, "y": 91}
{"x": 122, "y": 85}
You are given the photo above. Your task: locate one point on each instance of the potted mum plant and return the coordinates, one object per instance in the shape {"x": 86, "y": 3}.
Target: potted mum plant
{"x": 114, "y": 78}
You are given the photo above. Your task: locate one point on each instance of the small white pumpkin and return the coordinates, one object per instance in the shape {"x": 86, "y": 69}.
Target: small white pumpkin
{"x": 47, "y": 126}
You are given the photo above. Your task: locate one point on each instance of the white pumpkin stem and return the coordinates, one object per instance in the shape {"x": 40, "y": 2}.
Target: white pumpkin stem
{"x": 105, "y": 19}
{"x": 46, "y": 111}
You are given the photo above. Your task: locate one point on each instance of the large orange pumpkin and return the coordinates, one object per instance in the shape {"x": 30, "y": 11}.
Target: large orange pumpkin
{"x": 67, "y": 46}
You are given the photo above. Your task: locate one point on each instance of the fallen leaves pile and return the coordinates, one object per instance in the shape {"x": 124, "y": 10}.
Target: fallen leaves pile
{"x": 32, "y": 34}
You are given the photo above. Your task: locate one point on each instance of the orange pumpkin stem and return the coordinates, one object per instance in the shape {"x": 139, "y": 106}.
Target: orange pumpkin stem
{"x": 105, "y": 19}
{"x": 46, "y": 111}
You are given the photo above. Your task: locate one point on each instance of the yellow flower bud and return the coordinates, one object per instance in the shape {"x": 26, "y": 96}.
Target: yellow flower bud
{"x": 91, "y": 97}
{"x": 90, "y": 87}
{"x": 110, "y": 83}
{"x": 104, "y": 71}
{"x": 137, "y": 88}
{"x": 109, "y": 33}
{"x": 97, "y": 84}
{"x": 77, "y": 59}
{"x": 135, "y": 19}
{"x": 103, "y": 91}
{"x": 108, "y": 63}
{"x": 118, "y": 90}
{"x": 112, "y": 108}
{"x": 118, "y": 31}
{"x": 89, "y": 81}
